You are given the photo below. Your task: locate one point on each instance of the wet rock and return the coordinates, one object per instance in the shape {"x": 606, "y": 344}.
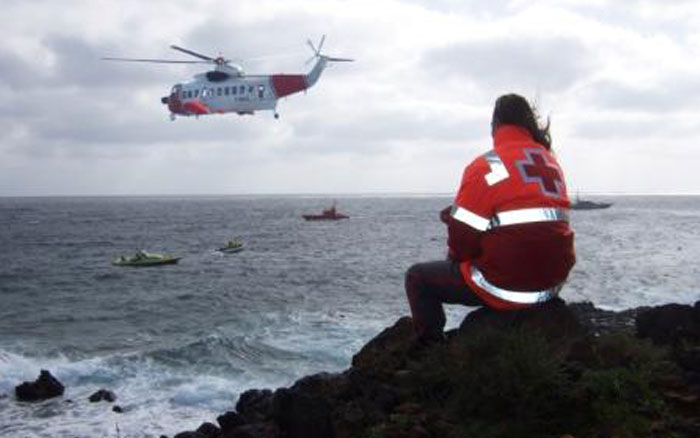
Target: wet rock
{"x": 254, "y": 405}
{"x": 229, "y": 421}
{"x": 664, "y": 324}
{"x": 387, "y": 350}
{"x": 44, "y": 387}
{"x": 118, "y": 409}
{"x": 209, "y": 430}
{"x": 102, "y": 395}
{"x": 257, "y": 430}
{"x": 598, "y": 321}
{"x": 300, "y": 415}
{"x": 189, "y": 434}
{"x": 553, "y": 319}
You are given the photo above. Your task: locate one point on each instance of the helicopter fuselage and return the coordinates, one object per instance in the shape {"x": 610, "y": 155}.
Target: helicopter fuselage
{"x": 217, "y": 92}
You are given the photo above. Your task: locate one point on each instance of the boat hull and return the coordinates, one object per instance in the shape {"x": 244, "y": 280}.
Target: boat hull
{"x": 588, "y": 205}
{"x": 226, "y": 250}
{"x": 320, "y": 217}
{"x": 146, "y": 263}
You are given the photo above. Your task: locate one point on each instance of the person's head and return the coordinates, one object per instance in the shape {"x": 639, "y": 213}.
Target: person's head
{"x": 513, "y": 109}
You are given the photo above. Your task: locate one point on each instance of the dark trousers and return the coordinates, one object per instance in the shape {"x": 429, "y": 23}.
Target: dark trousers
{"x": 430, "y": 284}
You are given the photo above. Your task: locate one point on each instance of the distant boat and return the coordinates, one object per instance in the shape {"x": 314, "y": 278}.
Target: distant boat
{"x": 231, "y": 247}
{"x": 143, "y": 258}
{"x": 329, "y": 214}
{"x": 582, "y": 204}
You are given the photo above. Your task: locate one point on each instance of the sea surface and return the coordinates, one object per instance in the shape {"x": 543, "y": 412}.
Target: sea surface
{"x": 177, "y": 344}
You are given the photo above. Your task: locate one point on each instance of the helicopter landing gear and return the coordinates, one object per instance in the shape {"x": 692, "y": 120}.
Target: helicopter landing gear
{"x": 172, "y": 117}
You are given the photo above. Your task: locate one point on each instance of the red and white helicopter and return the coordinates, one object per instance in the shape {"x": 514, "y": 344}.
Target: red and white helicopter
{"x": 228, "y": 89}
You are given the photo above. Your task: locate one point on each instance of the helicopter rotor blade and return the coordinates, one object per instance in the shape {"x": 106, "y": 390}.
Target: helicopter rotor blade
{"x": 330, "y": 58}
{"x": 320, "y": 44}
{"x": 159, "y": 61}
{"x": 191, "y": 53}
{"x": 312, "y": 47}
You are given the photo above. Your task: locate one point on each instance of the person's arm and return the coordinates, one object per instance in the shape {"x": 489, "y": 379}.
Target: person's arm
{"x": 445, "y": 214}
{"x": 463, "y": 241}
{"x": 463, "y": 236}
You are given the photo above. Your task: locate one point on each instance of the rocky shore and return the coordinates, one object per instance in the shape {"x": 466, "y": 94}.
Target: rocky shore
{"x": 559, "y": 370}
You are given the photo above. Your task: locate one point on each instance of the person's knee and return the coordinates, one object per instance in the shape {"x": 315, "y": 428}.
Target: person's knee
{"x": 413, "y": 275}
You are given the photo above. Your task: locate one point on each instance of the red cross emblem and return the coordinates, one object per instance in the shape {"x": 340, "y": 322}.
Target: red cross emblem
{"x": 535, "y": 169}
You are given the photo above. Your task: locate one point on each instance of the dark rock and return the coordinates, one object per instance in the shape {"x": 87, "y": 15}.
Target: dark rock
{"x": 373, "y": 393}
{"x": 255, "y": 405}
{"x": 229, "y": 421}
{"x": 387, "y": 350}
{"x": 300, "y": 415}
{"x": 118, "y": 409}
{"x": 44, "y": 387}
{"x": 189, "y": 434}
{"x": 257, "y": 430}
{"x": 553, "y": 319}
{"x": 599, "y": 321}
{"x": 101, "y": 395}
{"x": 664, "y": 324}
{"x": 209, "y": 430}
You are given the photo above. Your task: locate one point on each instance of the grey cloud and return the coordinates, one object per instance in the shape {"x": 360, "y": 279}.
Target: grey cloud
{"x": 552, "y": 64}
{"x": 78, "y": 63}
{"x": 671, "y": 93}
{"x": 626, "y": 129}
{"x": 394, "y": 124}
{"x": 248, "y": 42}
{"x": 16, "y": 72}
{"x": 89, "y": 123}
{"x": 479, "y": 8}
{"x": 634, "y": 14}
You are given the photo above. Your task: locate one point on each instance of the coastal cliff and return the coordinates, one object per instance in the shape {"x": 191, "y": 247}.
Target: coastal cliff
{"x": 558, "y": 370}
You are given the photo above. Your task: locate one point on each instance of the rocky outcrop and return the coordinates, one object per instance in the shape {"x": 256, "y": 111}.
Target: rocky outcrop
{"x": 44, "y": 387}
{"x": 554, "y": 370}
{"x": 102, "y": 395}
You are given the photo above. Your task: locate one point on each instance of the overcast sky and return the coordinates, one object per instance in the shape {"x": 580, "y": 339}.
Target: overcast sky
{"x": 619, "y": 79}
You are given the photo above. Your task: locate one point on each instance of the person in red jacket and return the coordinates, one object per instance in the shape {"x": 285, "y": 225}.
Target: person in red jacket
{"x": 509, "y": 241}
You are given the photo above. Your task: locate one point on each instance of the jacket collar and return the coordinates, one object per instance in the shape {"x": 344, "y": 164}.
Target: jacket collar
{"x": 511, "y": 133}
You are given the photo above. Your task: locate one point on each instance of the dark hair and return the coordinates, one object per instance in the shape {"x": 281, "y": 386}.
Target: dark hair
{"x": 514, "y": 109}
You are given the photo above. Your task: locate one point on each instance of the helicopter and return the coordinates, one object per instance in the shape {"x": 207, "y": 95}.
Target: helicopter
{"x": 228, "y": 89}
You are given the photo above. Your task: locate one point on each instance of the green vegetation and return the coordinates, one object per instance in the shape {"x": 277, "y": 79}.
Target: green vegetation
{"x": 517, "y": 383}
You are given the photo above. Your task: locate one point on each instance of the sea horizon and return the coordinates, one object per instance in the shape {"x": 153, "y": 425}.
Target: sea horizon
{"x": 302, "y": 195}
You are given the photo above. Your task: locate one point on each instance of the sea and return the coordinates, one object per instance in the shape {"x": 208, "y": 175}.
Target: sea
{"x": 178, "y": 344}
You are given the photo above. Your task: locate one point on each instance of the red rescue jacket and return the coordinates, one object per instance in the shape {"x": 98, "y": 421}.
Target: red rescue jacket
{"x": 508, "y": 226}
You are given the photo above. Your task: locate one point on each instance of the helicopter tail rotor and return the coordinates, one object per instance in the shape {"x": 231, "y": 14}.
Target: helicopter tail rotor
{"x": 317, "y": 52}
